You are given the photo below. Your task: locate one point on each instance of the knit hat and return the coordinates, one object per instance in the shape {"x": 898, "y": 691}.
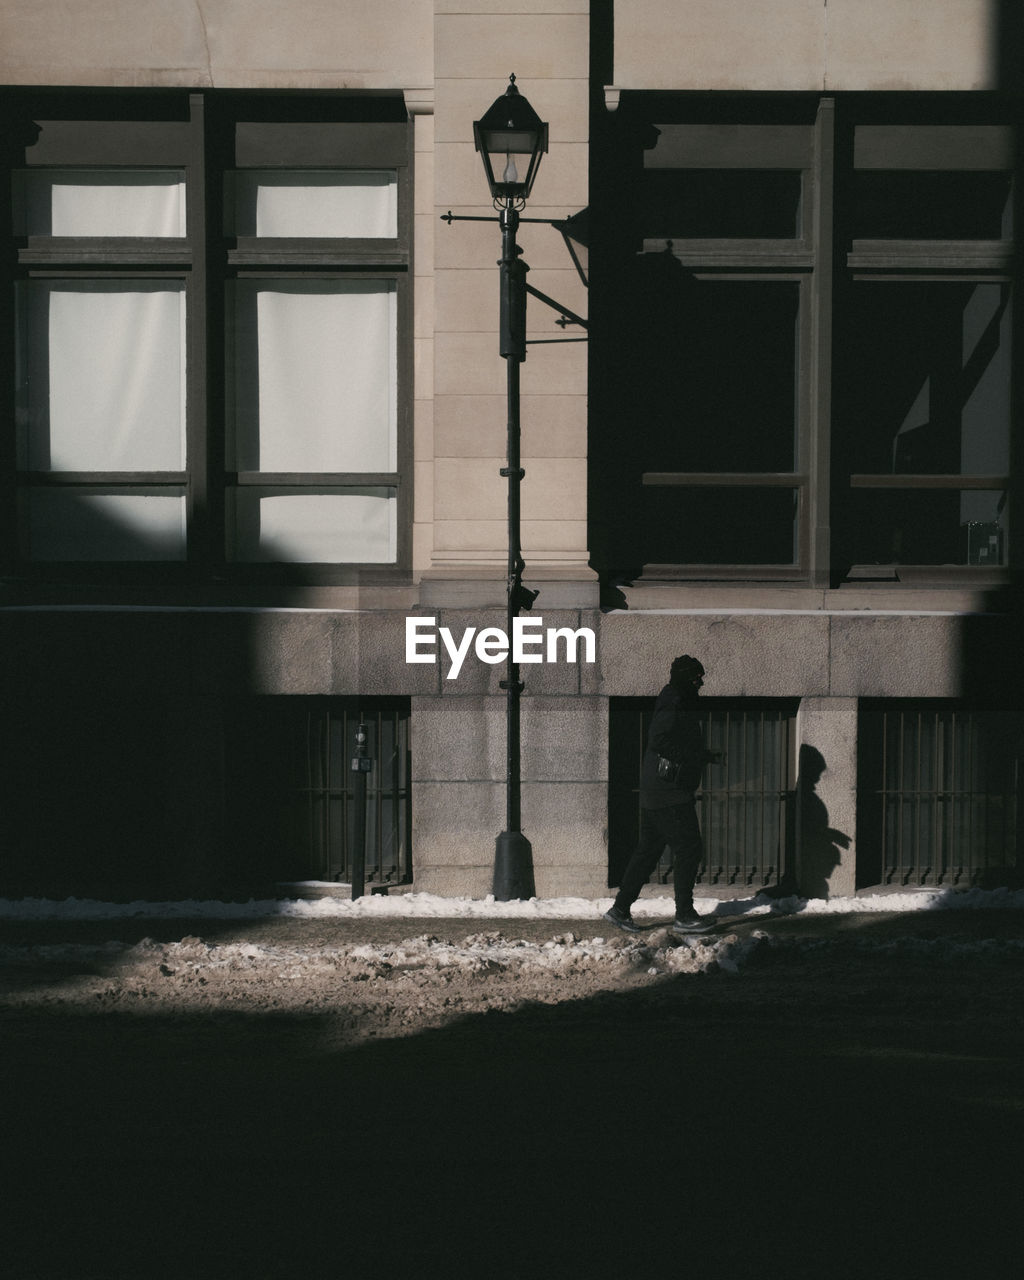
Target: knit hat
{"x": 685, "y": 670}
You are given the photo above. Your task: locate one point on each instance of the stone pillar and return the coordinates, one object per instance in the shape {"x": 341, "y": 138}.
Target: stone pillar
{"x": 826, "y": 823}
{"x": 565, "y": 794}
{"x": 459, "y": 793}
{"x": 477, "y": 46}
{"x": 459, "y": 769}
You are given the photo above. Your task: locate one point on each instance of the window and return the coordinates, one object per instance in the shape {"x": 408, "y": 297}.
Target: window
{"x": 101, "y": 410}
{"x": 805, "y": 373}
{"x": 938, "y": 794}
{"x": 922, "y": 375}
{"x": 101, "y": 203}
{"x": 724, "y": 492}
{"x": 925, "y": 417}
{"x": 291, "y": 788}
{"x": 700, "y": 416}
{"x": 210, "y": 308}
{"x": 746, "y": 804}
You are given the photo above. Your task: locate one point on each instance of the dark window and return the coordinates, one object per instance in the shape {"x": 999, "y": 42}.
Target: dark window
{"x": 291, "y": 788}
{"x": 921, "y": 403}
{"x": 701, "y": 383}
{"x": 747, "y": 204}
{"x": 746, "y": 804}
{"x": 327, "y": 798}
{"x": 923, "y": 418}
{"x": 806, "y": 372}
{"x": 729, "y": 401}
{"x": 929, "y": 378}
{"x": 913, "y": 205}
{"x": 938, "y": 794}
{"x": 722, "y": 526}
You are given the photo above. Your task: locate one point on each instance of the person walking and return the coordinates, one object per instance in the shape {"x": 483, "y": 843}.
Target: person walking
{"x": 673, "y": 763}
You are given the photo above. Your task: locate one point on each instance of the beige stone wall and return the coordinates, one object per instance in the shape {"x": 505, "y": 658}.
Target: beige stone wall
{"x": 459, "y": 792}
{"x": 478, "y": 45}
{"x": 218, "y": 44}
{"x": 780, "y": 653}
{"x": 830, "y": 45}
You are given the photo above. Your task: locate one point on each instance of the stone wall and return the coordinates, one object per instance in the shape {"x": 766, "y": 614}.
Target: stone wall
{"x": 477, "y": 47}
{"x": 794, "y": 45}
{"x": 218, "y": 44}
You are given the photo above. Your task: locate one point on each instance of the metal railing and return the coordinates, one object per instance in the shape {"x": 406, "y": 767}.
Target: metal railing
{"x": 940, "y": 787}
{"x": 328, "y": 793}
{"x": 746, "y": 807}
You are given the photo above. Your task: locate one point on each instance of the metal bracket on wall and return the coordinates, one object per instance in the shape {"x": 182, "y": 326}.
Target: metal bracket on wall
{"x": 565, "y": 315}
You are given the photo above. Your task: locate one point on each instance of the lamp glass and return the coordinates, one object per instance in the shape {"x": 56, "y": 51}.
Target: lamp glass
{"x": 510, "y": 128}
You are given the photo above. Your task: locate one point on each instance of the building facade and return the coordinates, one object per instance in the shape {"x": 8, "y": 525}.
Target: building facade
{"x": 255, "y": 419}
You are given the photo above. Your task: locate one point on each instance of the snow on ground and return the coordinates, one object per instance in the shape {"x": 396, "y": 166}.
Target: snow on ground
{"x": 425, "y": 905}
{"x": 232, "y": 967}
{"x": 385, "y": 975}
{"x": 361, "y": 989}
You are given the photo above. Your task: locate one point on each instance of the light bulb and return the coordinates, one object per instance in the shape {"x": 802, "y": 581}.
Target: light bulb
{"x": 511, "y": 174}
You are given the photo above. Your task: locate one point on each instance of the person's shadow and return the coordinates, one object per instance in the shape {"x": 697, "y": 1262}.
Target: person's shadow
{"x": 820, "y": 844}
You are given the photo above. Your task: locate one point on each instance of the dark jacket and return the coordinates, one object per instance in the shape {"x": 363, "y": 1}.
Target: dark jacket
{"x": 676, "y": 734}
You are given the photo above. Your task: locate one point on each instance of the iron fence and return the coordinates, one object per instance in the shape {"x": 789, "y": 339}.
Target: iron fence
{"x": 939, "y": 790}
{"x": 327, "y": 793}
{"x": 746, "y": 807}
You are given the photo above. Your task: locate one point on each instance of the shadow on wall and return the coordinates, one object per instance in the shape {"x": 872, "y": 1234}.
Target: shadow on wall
{"x": 819, "y": 844}
{"x": 688, "y": 374}
{"x": 992, "y": 675}
{"x": 127, "y": 761}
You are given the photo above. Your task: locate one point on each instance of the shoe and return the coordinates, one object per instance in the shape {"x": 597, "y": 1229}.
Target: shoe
{"x": 622, "y": 920}
{"x": 692, "y": 923}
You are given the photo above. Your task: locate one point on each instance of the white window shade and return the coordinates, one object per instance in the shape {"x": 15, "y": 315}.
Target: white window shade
{"x": 100, "y": 202}
{"x": 101, "y": 369}
{"x": 316, "y": 204}
{"x": 354, "y": 527}
{"x": 315, "y": 376}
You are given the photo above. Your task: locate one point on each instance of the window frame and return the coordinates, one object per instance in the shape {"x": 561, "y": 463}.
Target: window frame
{"x": 938, "y": 790}
{"x": 757, "y": 725}
{"x": 951, "y": 148}
{"x": 796, "y": 259}
{"x": 292, "y": 147}
{"x": 206, "y": 136}
{"x": 829, "y": 138}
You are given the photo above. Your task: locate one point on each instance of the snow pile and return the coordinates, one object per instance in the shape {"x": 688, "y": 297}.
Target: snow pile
{"x": 355, "y": 991}
{"x": 479, "y": 955}
{"x": 424, "y": 905}
{"x": 401, "y": 983}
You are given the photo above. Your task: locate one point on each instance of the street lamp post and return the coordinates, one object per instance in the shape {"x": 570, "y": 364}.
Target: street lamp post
{"x": 508, "y": 136}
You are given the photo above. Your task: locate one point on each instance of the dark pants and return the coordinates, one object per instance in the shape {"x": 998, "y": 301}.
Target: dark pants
{"x": 678, "y": 828}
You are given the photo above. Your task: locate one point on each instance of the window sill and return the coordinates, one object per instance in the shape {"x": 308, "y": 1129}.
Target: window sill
{"x": 928, "y": 575}
{"x": 722, "y": 573}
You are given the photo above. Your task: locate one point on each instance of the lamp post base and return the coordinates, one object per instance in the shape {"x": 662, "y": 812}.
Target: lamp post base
{"x": 513, "y": 867}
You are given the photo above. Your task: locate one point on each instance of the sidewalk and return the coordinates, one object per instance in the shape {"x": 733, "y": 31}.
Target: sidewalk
{"x": 340, "y": 922}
